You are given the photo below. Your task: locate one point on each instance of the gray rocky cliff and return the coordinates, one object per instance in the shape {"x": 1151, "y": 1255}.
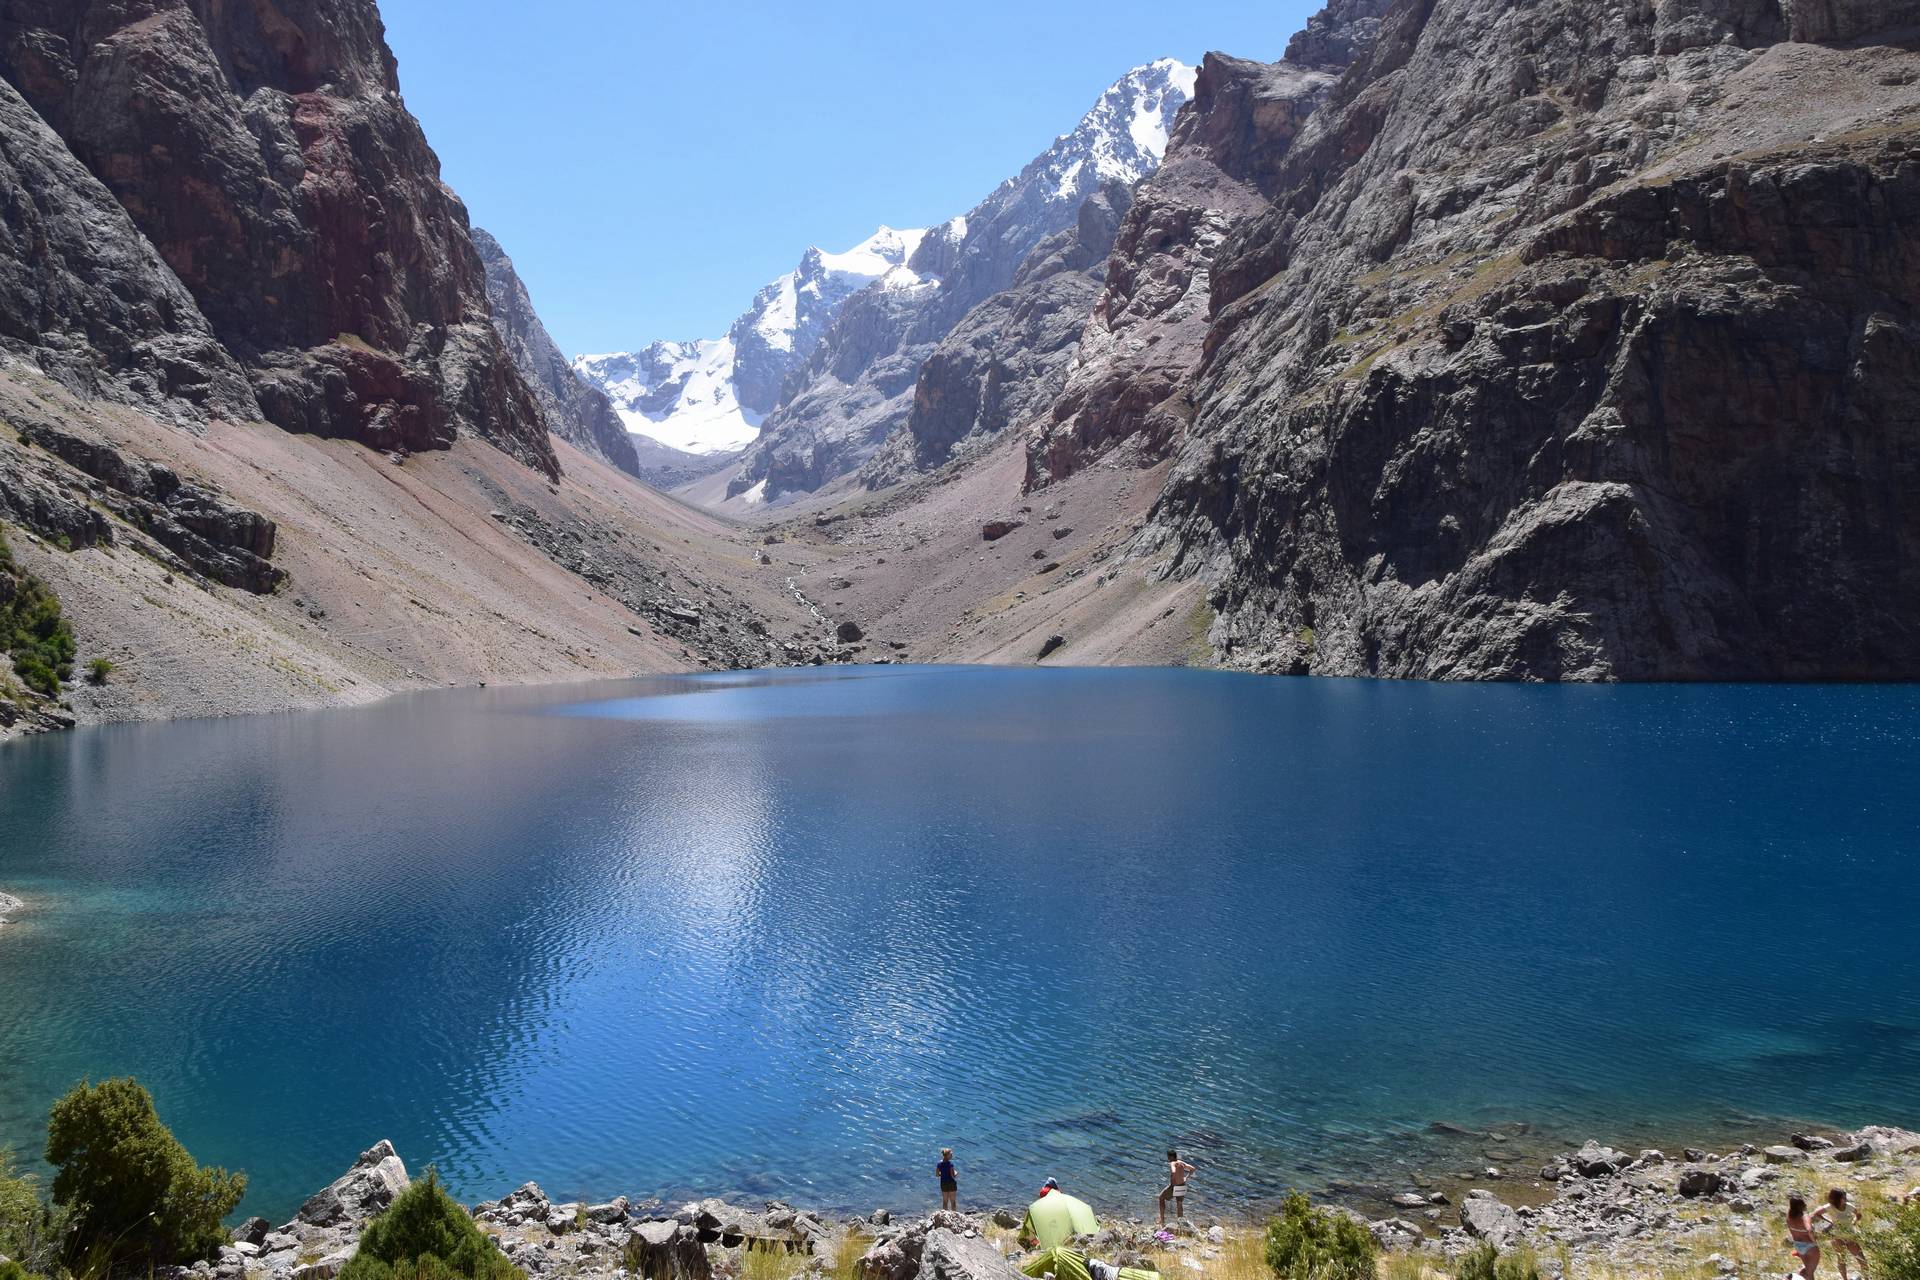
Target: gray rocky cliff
{"x": 264, "y": 151}
{"x": 580, "y": 414}
{"x": 1136, "y": 361}
{"x": 1007, "y": 359}
{"x": 1579, "y": 342}
{"x": 857, "y": 387}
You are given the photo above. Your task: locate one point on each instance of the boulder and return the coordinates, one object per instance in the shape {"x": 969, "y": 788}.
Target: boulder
{"x": 1395, "y": 1235}
{"x": 1886, "y": 1141}
{"x": 1784, "y": 1155}
{"x": 1595, "y": 1161}
{"x": 1053, "y": 643}
{"x": 1811, "y": 1142}
{"x": 994, "y": 530}
{"x": 325, "y": 1269}
{"x": 253, "y": 1231}
{"x": 849, "y": 631}
{"x": 949, "y": 1255}
{"x": 1410, "y": 1200}
{"x": 613, "y": 1211}
{"x": 667, "y": 1250}
{"x": 1855, "y": 1154}
{"x": 358, "y": 1194}
{"x": 1006, "y": 1219}
{"x": 1699, "y": 1182}
{"x": 1485, "y": 1218}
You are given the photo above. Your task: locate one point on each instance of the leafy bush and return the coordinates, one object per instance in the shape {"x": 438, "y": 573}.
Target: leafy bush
{"x": 1485, "y": 1262}
{"x": 426, "y": 1235}
{"x": 98, "y": 669}
{"x": 1893, "y": 1244}
{"x": 11, "y": 1270}
{"x": 32, "y": 629}
{"x": 30, "y": 1232}
{"x": 1479, "y": 1263}
{"x": 1305, "y": 1243}
{"x": 135, "y": 1193}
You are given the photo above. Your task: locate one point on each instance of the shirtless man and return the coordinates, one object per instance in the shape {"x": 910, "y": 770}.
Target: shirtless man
{"x": 1176, "y": 1188}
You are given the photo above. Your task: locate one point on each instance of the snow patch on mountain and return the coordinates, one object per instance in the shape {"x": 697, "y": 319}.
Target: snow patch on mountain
{"x": 710, "y": 395}
{"x": 1124, "y": 136}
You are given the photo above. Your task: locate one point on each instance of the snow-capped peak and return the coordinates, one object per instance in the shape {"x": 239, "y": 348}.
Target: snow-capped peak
{"x": 709, "y": 396}
{"x": 1125, "y": 134}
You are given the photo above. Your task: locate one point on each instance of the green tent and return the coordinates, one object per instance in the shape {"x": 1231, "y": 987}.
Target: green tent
{"x": 1054, "y": 1217}
{"x": 1065, "y": 1264}
{"x": 1071, "y": 1264}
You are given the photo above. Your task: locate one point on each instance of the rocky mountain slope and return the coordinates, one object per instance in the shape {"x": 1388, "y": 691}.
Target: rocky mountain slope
{"x": 857, "y": 386}
{"x": 1484, "y": 342}
{"x": 709, "y": 396}
{"x": 580, "y": 414}
{"x": 1578, "y": 342}
{"x": 227, "y": 268}
{"x": 265, "y": 152}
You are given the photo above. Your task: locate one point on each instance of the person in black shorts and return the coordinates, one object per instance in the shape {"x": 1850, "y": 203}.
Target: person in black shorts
{"x": 949, "y": 1185}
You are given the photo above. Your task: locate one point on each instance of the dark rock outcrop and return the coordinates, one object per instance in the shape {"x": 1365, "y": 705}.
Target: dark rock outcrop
{"x": 1578, "y": 342}
{"x": 84, "y": 297}
{"x": 263, "y": 149}
{"x": 577, "y": 413}
{"x": 216, "y": 537}
{"x": 1007, "y": 359}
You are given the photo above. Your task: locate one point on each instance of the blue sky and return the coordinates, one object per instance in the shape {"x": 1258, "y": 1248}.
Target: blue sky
{"x": 648, "y": 166}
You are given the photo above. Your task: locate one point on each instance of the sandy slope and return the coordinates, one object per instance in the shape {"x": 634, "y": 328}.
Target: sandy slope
{"x": 918, "y": 573}
{"x": 399, "y": 578}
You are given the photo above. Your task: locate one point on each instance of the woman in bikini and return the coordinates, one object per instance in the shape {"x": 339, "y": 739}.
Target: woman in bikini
{"x": 1800, "y": 1236}
{"x": 1843, "y": 1228}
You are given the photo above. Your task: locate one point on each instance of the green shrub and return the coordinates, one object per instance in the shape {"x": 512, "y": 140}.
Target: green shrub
{"x": 33, "y": 631}
{"x": 1305, "y": 1243}
{"x": 135, "y": 1193}
{"x": 426, "y": 1235}
{"x": 1893, "y": 1244}
{"x": 30, "y": 1232}
{"x": 1482, "y": 1262}
{"x": 98, "y": 669}
{"x": 11, "y": 1270}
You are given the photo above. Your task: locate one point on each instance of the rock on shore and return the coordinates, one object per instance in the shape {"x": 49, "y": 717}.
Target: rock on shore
{"x": 1639, "y": 1210}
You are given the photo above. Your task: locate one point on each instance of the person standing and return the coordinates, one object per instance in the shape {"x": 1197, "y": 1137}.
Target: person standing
{"x": 1176, "y": 1188}
{"x": 949, "y": 1184}
{"x": 1843, "y": 1228}
{"x": 1800, "y": 1237}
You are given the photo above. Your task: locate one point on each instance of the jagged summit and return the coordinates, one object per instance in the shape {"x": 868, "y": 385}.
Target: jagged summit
{"x": 712, "y": 395}
{"x": 1121, "y": 139}
{"x": 709, "y": 395}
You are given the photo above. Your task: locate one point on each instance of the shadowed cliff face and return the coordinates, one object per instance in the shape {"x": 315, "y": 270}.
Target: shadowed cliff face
{"x": 577, "y": 413}
{"x": 1579, "y": 342}
{"x": 263, "y": 148}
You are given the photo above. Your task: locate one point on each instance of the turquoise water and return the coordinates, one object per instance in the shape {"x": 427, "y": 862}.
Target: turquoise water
{"x": 790, "y": 934}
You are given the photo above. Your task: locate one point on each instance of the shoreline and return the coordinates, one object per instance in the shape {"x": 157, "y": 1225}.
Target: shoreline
{"x": 1591, "y": 1211}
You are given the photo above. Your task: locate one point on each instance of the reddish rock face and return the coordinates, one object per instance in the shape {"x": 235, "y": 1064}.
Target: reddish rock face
{"x": 263, "y": 148}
